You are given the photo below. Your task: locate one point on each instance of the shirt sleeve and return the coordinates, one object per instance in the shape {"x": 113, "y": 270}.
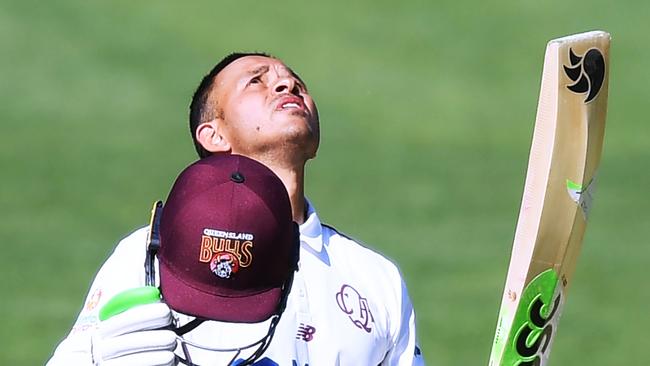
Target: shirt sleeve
{"x": 124, "y": 269}
{"x": 405, "y": 350}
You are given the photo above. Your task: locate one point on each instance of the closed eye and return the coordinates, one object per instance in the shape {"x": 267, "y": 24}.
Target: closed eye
{"x": 301, "y": 86}
{"x": 255, "y": 80}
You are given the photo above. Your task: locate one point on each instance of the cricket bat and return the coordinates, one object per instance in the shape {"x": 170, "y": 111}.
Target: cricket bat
{"x": 557, "y": 198}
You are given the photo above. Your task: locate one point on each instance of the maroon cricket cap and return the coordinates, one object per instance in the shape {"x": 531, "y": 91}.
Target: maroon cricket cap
{"x": 228, "y": 241}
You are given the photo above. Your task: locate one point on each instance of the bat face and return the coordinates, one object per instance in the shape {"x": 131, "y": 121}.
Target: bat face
{"x": 564, "y": 157}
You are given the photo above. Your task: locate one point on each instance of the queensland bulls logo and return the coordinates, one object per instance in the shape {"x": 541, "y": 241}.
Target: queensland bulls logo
{"x": 226, "y": 252}
{"x": 356, "y": 307}
{"x": 224, "y": 264}
{"x": 587, "y": 72}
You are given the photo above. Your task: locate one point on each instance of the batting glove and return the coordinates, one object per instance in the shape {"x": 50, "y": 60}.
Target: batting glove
{"x": 134, "y": 337}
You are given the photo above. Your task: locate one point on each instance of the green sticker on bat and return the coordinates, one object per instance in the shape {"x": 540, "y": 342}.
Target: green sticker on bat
{"x": 574, "y": 189}
{"x": 583, "y": 196}
{"x": 532, "y": 329}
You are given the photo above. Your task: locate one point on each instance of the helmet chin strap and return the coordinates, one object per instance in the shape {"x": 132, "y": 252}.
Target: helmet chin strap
{"x": 261, "y": 344}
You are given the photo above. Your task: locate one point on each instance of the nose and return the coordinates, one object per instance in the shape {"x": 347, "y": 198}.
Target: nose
{"x": 286, "y": 85}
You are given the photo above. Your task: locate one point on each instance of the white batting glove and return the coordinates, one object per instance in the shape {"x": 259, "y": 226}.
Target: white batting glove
{"x": 134, "y": 337}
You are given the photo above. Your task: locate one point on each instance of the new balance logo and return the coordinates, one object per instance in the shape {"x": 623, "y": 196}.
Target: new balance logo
{"x": 305, "y": 332}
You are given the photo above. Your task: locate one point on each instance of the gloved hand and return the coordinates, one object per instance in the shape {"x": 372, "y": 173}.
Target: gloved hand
{"x": 133, "y": 337}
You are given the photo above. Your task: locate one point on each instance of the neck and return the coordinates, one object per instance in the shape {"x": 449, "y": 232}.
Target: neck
{"x": 293, "y": 178}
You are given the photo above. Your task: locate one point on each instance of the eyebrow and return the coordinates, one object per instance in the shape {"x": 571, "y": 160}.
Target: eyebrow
{"x": 260, "y": 70}
{"x": 265, "y": 68}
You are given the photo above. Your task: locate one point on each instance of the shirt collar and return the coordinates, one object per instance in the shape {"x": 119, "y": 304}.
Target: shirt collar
{"x": 311, "y": 231}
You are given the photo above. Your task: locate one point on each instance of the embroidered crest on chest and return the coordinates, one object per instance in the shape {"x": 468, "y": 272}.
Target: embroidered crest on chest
{"x": 356, "y": 307}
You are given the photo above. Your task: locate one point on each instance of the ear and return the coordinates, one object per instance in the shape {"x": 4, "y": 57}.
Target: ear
{"x": 209, "y": 135}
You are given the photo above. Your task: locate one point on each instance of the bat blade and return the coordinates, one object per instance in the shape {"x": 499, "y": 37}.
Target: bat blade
{"x": 560, "y": 179}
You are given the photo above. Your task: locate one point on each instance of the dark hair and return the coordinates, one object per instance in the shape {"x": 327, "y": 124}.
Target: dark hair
{"x": 200, "y": 108}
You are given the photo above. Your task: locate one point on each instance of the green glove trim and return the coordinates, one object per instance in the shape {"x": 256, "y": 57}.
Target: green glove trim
{"x": 125, "y": 300}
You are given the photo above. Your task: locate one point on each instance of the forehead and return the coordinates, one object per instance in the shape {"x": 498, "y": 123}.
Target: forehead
{"x": 248, "y": 65}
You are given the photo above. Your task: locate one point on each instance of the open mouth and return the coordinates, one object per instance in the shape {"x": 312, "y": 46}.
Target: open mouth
{"x": 290, "y": 103}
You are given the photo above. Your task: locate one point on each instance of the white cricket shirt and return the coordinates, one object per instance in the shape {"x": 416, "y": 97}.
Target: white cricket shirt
{"x": 348, "y": 306}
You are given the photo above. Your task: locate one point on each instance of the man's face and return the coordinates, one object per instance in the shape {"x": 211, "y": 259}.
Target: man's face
{"x": 265, "y": 109}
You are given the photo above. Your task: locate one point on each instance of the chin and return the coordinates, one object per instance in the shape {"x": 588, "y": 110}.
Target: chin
{"x": 299, "y": 142}
{"x": 303, "y": 130}
{"x": 300, "y": 127}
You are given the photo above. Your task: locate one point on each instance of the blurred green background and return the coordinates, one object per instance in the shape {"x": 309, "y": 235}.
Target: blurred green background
{"x": 427, "y": 109}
